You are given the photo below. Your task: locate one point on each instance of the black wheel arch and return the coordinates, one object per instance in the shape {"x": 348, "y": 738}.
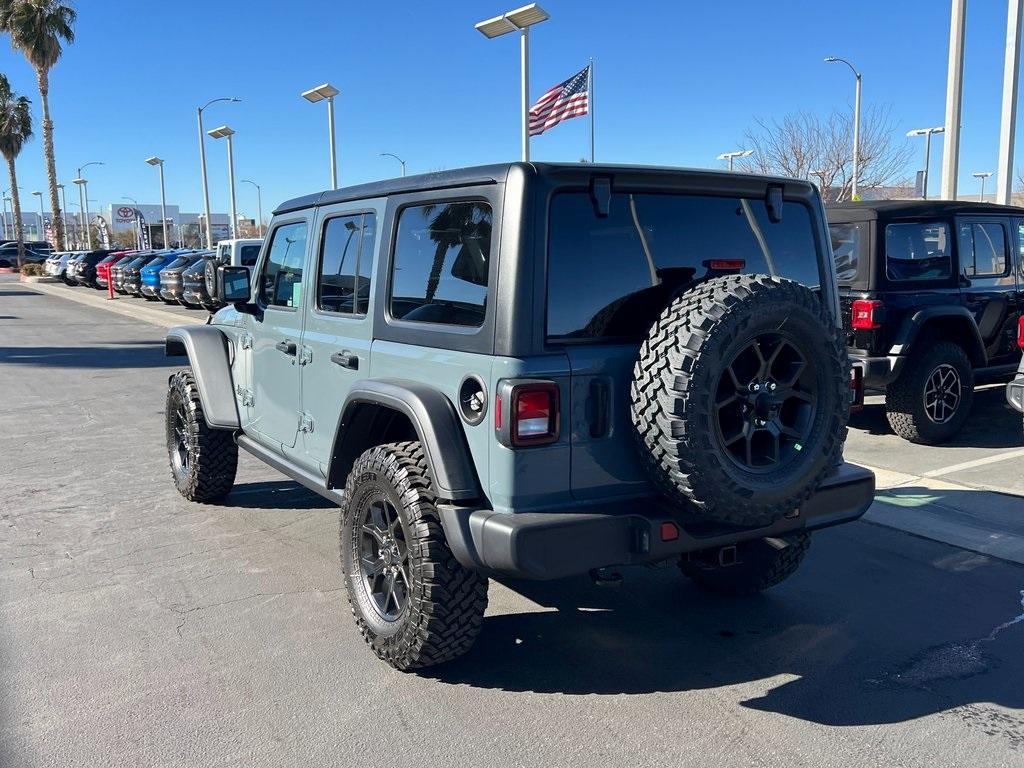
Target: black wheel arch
{"x": 948, "y": 323}
{"x": 379, "y": 411}
{"x": 208, "y": 353}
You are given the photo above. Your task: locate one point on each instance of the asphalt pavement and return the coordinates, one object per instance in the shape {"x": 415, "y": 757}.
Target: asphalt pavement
{"x": 139, "y": 629}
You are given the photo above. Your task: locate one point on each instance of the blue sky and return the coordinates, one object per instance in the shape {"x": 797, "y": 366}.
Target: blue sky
{"x": 676, "y": 83}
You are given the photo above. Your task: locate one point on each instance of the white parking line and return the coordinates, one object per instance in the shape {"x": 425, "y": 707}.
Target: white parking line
{"x": 976, "y": 463}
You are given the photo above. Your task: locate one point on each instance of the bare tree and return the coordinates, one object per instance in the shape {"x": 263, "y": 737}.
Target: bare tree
{"x": 807, "y": 146}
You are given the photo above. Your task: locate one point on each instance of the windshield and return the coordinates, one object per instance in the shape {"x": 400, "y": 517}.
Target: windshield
{"x": 609, "y": 277}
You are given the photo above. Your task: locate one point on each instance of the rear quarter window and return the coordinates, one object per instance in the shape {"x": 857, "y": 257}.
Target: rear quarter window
{"x": 918, "y": 250}
{"x": 849, "y": 248}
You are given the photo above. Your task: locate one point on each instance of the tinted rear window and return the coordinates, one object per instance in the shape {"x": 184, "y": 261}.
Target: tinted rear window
{"x": 917, "y": 250}
{"x": 609, "y": 277}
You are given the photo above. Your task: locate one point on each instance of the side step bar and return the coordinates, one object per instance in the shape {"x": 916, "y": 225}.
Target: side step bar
{"x": 301, "y": 476}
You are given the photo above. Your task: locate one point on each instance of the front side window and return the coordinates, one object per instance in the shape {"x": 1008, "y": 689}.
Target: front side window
{"x": 441, "y": 263}
{"x": 982, "y": 249}
{"x": 346, "y": 257}
{"x": 280, "y": 282}
{"x": 609, "y": 277}
{"x": 918, "y": 251}
{"x": 249, "y": 255}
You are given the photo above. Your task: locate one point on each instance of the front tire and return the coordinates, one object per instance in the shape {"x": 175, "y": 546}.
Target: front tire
{"x": 203, "y": 460}
{"x": 759, "y": 565}
{"x": 931, "y": 399}
{"x": 414, "y": 604}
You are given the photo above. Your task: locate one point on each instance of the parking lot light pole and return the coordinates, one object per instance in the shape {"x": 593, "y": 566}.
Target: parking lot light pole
{"x": 400, "y": 160}
{"x": 730, "y": 156}
{"x": 202, "y": 163}
{"x": 163, "y": 198}
{"x": 6, "y": 200}
{"x": 135, "y": 223}
{"x": 83, "y": 193}
{"x": 982, "y": 175}
{"x": 520, "y": 20}
{"x": 318, "y": 94}
{"x": 42, "y": 220}
{"x": 259, "y": 203}
{"x": 225, "y": 132}
{"x": 927, "y": 133}
{"x": 64, "y": 209}
{"x": 854, "y": 193}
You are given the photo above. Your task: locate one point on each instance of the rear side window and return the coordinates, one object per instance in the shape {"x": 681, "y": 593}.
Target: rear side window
{"x": 917, "y": 251}
{"x": 249, "y": 255}
{"x": 983, "y": 249}
{"x": 346, "y": 257}
{"x": 608, "y": 277}
{"x": 849, "y": 241}
{"x": 441, "y": 263}
{"x": 280, "y": 282}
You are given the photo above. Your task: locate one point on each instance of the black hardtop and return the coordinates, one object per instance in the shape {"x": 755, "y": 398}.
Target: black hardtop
{"x": 498, "y": 173}
{"x": 913, "y": 209}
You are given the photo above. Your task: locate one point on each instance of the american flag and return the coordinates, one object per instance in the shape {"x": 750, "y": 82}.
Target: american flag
{"x": 570, "y": 98}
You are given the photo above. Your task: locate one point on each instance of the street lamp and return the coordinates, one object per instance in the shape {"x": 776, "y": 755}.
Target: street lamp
{"x": 389, "y": 154}
{"x": 83, "y": 199}
{"x": 520, "y": 20}
{"x": 856, "y": 123}
{"x": 135, "y": 224}
{"x": 6, "y": 201}
{"x": 202, "y": 163}
{"x": 927, "y": 133}
{"x": 42, "y": 215}
{"x": 259, "y": 203}
{"x": 314, "y": 95}
{"x": 63, "y": 208}
{"x": 982, "y": 175}
{"x": 163, "y": 198}
{"x": 730, "y": 156}
{"x": 224, "y": 132}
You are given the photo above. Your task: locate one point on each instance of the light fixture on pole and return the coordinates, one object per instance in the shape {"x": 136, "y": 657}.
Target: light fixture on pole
{"x": 318, "y": 94}
{"x": 927, "y": 133}
{"x": 163, "y": 198}
{"x": 202, "y": 163}
{"x": 400, "y": 160}
{"x": 520, "y": 20}
{"x": 855, "y": 195}
{"x": 730, "y": 156}
{"x": 982, "y": 175}
{"x": 259, "y": 203}
{"x": 42, "y": 216}
{"x": 224, "y": 132}
{"x": 83, "y": 199}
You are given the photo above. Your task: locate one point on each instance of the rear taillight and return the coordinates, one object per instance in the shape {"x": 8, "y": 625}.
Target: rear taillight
{"x": 532, "y": 416}
{"x": 1020, "y": 331}
{"x": 867, "y": 315}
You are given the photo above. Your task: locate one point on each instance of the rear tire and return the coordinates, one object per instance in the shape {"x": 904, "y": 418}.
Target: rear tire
{"x": 414, "y": 604}
{"x": 203, "y": 460}
{"x": 931, "y": 399}
{"x": 759, "y": 566}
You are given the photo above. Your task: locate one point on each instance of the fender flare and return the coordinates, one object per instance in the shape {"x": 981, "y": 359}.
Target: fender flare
{"x": 432, "y": 416}
{"x": 207, "y": 350}
{"x": 912, "y": 326}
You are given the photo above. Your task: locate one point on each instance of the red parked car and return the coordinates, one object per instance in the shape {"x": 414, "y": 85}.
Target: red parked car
{"x": 103, "y": 268}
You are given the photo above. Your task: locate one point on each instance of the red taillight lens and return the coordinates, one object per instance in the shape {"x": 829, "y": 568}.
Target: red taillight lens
{"x": 867, "y": 315}
{"x": 1020, "y": 332}
{"x": 534, "y": 414}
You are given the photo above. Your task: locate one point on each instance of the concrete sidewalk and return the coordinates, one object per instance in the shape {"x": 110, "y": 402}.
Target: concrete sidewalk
{"x": 983, "y": 521}
{"x": 156, "y": 313}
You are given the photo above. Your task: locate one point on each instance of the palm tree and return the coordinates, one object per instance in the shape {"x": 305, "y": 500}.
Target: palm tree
{"x": 38, "y": 28}
{"x": 15, "y": 130}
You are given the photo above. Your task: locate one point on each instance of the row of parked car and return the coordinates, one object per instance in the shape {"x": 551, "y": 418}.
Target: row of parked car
{"x": 175, "y": 276}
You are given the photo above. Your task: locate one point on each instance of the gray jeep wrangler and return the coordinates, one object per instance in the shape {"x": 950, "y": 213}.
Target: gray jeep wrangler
{"x": 533, "y": 371}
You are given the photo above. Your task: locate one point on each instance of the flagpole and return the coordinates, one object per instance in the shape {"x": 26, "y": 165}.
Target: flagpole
{"x": 590, "y": 99}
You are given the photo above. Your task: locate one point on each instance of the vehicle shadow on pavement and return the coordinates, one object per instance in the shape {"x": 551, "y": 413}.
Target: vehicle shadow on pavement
{"x": 878, "y": 627}
{"x": 992, "y": 423}
{"x": 126, "y": 355}
{"x": 274, "y": 494}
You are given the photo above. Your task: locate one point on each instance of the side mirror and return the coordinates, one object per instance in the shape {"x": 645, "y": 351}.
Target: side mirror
{"x": 234, "y": 285}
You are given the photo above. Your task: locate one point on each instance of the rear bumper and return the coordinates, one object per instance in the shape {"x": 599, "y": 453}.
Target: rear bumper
{"x": 877, "y": 372}
{"x": 550, "y": 545}
{"x": 1015, "y": 392}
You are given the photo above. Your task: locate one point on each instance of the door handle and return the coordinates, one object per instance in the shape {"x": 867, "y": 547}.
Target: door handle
{"x": 346, "y": 360}
{"x": 288, "y": 347}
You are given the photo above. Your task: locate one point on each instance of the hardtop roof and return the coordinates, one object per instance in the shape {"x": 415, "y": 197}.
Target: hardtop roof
{"x": 914, "y": 208}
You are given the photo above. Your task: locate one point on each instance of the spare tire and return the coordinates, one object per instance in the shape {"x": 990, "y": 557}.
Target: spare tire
{"x": 210, "y": 277}
{"x": 740, "y": 397}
